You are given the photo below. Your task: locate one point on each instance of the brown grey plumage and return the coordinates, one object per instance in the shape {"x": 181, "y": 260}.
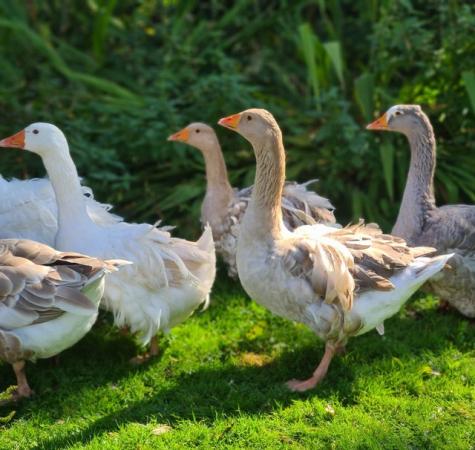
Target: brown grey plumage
{"x": 39, "y": 286}
{"x": 359, "y": 258}
{"x": 450, "y": 228}
{"x": 339, "y": 282}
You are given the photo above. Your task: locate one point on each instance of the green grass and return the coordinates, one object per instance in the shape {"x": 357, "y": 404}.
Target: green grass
{"x": 219, "y": 384}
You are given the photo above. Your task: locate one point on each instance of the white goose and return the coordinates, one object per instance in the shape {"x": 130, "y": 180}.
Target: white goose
{"x": 169, "y": 278}
{"x": 48, "y": 302}
{"x": 224, "y": 207}
{"x": 340, "y": 283}
{"x": 28, "y": 210}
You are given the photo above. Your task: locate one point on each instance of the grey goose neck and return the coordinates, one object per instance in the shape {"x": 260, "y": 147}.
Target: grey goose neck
{"x": 418, "y": 198}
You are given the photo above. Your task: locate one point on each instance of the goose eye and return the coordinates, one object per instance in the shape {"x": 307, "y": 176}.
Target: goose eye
{"x": 249, "y": 118}
{"x": 397, "y": 113}
{"x": 35, "y": 131}
{"x": 197, "y": 131}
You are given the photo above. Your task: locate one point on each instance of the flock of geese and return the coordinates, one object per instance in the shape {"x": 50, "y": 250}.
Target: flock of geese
{"x": 63, "y": 254}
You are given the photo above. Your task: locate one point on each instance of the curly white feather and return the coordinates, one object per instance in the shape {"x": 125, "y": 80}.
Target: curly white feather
{"x": 169, "y": 279}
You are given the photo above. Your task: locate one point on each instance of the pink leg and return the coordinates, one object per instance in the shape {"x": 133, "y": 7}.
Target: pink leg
{"x": 318, "y": 375}
{"x": 23, "y": 389}
{"x": 154, "y": 349}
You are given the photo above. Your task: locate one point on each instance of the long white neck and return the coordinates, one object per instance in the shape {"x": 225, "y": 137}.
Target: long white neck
{"x": 73, "y": 219}
{"x": 418, "y": 195}
{"x": 218, "y": 189}
{"x": 263, "y": 217}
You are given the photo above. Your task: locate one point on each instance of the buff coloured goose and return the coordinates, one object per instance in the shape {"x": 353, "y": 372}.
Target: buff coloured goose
{"x": 28, "y": 210}
{"x": 339, "y": 282}
{"x": 48, "y": 302}
{"x": 169, "y": 278}
{"x": 223, "y": 207}
{"x": 450, "y": 228}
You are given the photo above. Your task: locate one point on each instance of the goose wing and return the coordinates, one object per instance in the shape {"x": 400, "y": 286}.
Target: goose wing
{"x": 339, "y": 263}
{"x": 451, "y": 228}
{"x": 301, "y": 206}
{"x": 39, "y": 284}
{"x": 159, "y": 260}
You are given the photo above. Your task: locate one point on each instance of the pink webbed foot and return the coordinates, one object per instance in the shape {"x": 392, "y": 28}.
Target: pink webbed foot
{"x": 21, "y": 392}
{"x": 301, "y": 386}
{"x": 140, "y": 359}
{"x": 318, "y": 375}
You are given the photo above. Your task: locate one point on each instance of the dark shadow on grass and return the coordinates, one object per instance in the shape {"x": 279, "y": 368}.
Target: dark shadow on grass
{"x": 210, "y": 393}
{"x": 104, "y": 346}
{"x": 231, "y": 390}
{"x": 76, "y": 367}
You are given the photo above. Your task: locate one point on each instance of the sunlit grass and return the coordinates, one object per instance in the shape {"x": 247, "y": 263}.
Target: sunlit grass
{"x": 219, "y": 383}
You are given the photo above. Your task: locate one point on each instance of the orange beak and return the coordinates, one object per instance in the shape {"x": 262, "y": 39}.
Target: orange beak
{"x": 15, "y": 141}
{"x": 379, "y": 124}
{"x": 230, "y": 122}
{"x": 181, "y": 136}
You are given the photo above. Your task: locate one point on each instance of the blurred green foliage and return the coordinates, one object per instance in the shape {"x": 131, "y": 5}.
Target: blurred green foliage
{"x": 120, "y": 76}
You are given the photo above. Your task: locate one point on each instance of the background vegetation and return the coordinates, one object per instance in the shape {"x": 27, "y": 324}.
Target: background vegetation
{"x": 119, "y": 76}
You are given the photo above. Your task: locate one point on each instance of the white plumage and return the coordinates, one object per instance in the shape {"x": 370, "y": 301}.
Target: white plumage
{"x": 169, "y": 278}
{"x": 28, "y": 210}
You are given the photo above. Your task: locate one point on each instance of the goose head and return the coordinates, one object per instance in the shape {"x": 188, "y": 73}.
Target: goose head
{"x": 43, "y": 139}
{"x": 401, "y": 118}
{"x": 198, "y": 135}
{"x": 255, "y": 125}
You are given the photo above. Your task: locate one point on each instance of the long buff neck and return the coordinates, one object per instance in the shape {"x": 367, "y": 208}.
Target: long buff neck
{"x": 266, "y": 201}
{"x": 218, "y": 189}
{"x": 418, "y": 195}
{"x": 216, "y": 172}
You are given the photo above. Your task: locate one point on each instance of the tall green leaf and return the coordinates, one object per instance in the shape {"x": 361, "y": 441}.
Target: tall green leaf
{"x": 307, "y": 45}
{"x": 60, "y": 65}
{"x": 364, "y": 88}
{"x": 333, "y": 50}
{"x": 100, "y": 27}
{"x": 469, "y": 81}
